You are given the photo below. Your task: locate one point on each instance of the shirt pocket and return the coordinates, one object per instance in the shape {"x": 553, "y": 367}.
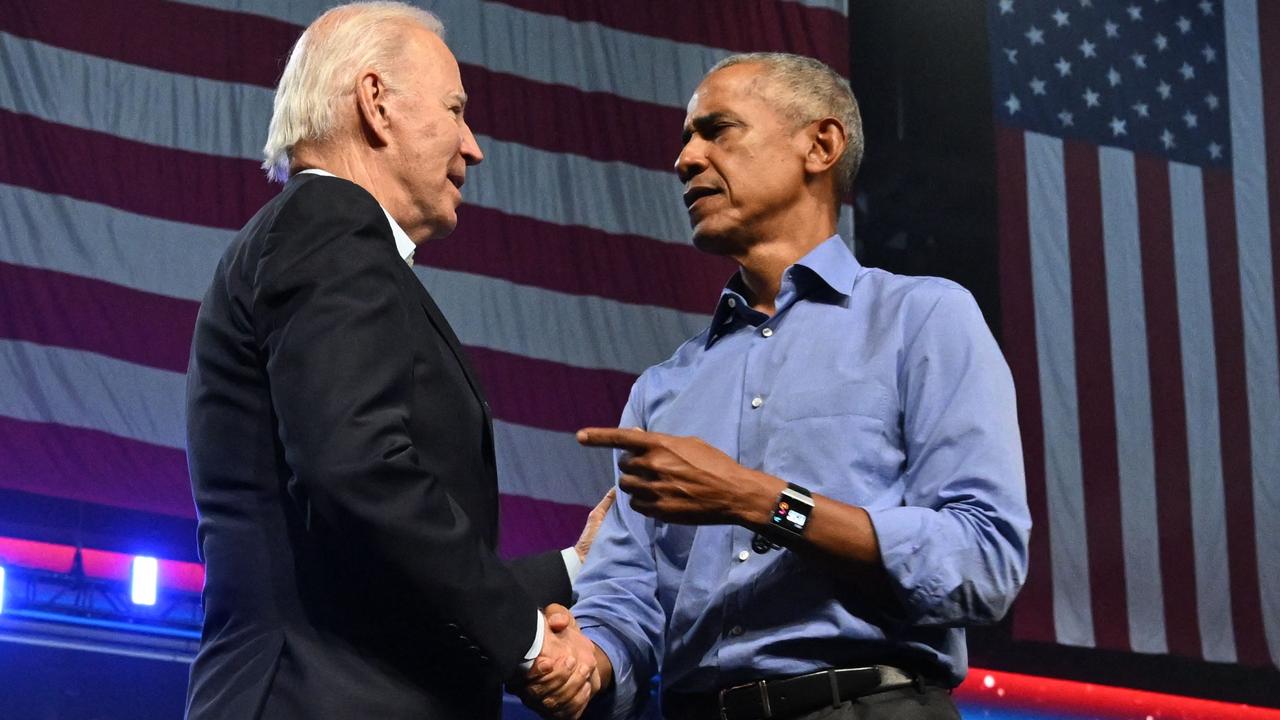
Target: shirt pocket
{"x": 840, "y": 441}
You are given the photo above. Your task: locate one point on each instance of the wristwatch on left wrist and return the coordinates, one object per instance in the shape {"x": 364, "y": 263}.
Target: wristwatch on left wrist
{"x": 787, "y": 522}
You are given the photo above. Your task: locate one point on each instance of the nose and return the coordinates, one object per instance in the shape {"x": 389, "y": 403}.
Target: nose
{"x": 691, "y": 160}
{"x": 470, "y": 150}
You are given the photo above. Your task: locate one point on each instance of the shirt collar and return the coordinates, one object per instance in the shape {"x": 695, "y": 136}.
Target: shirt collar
{"x": 404, "y": 245}
{"x": 830, "y": 266}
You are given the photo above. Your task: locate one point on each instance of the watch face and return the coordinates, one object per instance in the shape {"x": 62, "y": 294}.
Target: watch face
{"x": 797, "y": 519}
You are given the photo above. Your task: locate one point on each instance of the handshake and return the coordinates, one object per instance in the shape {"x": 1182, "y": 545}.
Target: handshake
{"x": 567, "y": 674}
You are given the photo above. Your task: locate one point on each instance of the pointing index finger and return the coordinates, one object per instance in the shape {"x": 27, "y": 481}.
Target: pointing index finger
{"x": 623, "y": 438}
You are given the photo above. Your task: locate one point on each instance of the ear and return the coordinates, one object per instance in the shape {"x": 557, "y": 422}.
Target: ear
{"x": 371, "y": 107}
{"x": 827, "y": 141}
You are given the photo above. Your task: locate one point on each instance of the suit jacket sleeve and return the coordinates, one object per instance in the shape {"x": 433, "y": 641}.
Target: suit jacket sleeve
{"x": 331, "y": 321}
{"x": 545, "y": 578}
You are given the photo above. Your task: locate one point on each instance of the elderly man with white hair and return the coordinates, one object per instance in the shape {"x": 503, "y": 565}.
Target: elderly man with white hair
{"x": 340, "y": 448}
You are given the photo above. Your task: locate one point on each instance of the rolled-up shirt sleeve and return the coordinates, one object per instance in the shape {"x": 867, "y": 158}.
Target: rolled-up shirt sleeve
{"x": 616, "y": 602}
{"x": 957, "y": 547}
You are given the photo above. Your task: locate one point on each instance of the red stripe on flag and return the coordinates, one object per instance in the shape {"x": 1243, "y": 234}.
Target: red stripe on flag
{"x": 175, "y": 37}
{"x": 1099, "y": 462}
{"x": 549, "y": 395}
{"x": 53, "y": 308}
{"x": 93, "y": 466}
{"x": 145, "y": 179}
{"x": 562, "y": 119}
{"x": 741, "y": 25}
{"x": 579, "y": 260}
{"x": 530, "y": 525}
{"x": 1168, "y": 406}
{"x": 1233, "y": 416}
{"x": 1033, "y": 614}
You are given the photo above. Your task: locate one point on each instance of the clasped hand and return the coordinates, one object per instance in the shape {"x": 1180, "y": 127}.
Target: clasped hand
{"x": 566, "y": 674}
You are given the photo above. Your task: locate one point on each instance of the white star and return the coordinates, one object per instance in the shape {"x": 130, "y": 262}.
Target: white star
{"x": 1164, "y": 89}
{"x": 1209, "y": 54}
{"x": 1190, "y": 119}
{"x": 1012, "y": 54}
{"x": 1211, "y": 100}
{"x": 1141, "y": 109}
{"x": 1166, "y": 137}
{"x": 1090, "y": 98}
{"x": 1215, "y": 150}
{"x": 1206, "y": 7}
{"x": 1006, "y": 7}
{"x": 1086, "y": 3}
{"x": 1066, "y": 118}
{"x": 1037, "y": 86}
{"x": 1035, "y": 35}
{"x": 1113, "y": 30}
{"x": 1013, "y": 104}
{"x": 1187, "y": 71}
{"x": 1113, "y": 77}
{"x": 1087, "y": 49}
{"x": 1139, "y": 60}
{"x": 1117, "y": 127}
{"x": 1064, "y": 67}
{"x": 1062, "y": 18}
{"x": 1135, "y": 12}
{"x": 1183, "y": 24}
{"x": 1161, "y": 42}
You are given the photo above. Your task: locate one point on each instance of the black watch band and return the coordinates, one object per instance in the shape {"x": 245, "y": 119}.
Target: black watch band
{"x": 788, "y": 521}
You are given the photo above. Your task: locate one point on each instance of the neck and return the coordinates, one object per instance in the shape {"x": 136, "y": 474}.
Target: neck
{"x": 762, "y": 261}
{"x": 360, "y": 168}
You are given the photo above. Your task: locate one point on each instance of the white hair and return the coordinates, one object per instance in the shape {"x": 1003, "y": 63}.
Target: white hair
{"x": 806, "y": 90}
{"x": 322, "y": 71}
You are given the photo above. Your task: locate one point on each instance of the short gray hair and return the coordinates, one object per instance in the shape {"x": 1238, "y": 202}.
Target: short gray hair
{"x": 322, "y": 68}
{"x": 807, "y": 90}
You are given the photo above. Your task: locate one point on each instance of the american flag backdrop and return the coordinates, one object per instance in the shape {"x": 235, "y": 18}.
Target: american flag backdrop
{"x": 1138, "y": 146}
{"x": 131, "y": 135}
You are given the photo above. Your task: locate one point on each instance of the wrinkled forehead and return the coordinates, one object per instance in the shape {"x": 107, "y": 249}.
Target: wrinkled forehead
{"x": 732, "y": 88}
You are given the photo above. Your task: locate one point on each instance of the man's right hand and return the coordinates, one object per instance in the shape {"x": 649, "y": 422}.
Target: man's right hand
{"x": 567, "y": 674}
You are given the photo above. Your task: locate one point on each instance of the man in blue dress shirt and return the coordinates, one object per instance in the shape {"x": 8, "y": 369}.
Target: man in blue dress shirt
{"x": 825, "y": 486}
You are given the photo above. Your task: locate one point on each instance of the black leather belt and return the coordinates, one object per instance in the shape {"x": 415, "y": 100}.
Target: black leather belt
{"x": 788, "y": 697}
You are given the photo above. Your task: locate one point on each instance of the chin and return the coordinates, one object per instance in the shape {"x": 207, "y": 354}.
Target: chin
{"x": 715, "y": 241}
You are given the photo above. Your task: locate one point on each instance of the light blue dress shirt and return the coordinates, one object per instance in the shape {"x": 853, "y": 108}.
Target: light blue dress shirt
{"x": 877, "y": 390}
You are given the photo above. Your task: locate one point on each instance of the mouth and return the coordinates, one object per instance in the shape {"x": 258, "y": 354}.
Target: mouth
{"x": 694, "y": 194}
{"x": 457, "y": 180}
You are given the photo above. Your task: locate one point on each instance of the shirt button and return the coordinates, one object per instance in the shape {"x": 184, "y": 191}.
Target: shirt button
{"x": 736, "y": 631}
{"x": 767, "y": 332}
{"x": 757, "y": 401}
{"x": 742, "y": 556}
{"x": 732, "y": 302}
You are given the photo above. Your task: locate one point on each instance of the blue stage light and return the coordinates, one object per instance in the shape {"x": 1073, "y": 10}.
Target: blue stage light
{"x": 1, "y": 589}
{"x": 146, "y": 571}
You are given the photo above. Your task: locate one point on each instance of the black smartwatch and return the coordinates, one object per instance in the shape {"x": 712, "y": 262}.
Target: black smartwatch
{"x": 788, "y": 521}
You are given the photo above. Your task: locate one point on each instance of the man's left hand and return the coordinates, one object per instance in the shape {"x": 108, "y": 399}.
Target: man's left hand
{"x": 685, "y": 480}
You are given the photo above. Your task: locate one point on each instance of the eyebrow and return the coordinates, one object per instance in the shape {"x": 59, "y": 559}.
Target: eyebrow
{"x": 459, "y": 97}
{"x": 702, "y": 123}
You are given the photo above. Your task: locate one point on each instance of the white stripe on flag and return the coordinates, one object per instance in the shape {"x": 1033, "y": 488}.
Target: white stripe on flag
{"x": 577, "y": 330}
{"x": 531, "y": 462}
{"x": 541, "y": 47}
{"x": 87, "y": 390}
{"x": 1200, "y": 387}
{"x": 1257, "y": 294}
{"x": 90, "y": 240}
{"x": 1055, "y": 350}
{"x": 1134, "y": 445}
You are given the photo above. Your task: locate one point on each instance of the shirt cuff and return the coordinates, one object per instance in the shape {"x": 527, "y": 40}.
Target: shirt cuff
{"x": 536, "y": 649}
{"x": 572, "y": 563}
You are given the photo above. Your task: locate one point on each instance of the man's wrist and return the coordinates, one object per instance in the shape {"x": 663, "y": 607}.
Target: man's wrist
{"x": 759, "y": 499}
